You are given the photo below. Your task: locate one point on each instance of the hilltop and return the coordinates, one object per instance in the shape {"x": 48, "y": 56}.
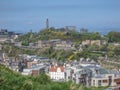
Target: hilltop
{"x": 48, "y": 34}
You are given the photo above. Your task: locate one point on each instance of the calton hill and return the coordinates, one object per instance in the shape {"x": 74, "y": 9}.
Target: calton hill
{"x": 64, "y": 44}
{"x": 60, "y": 45}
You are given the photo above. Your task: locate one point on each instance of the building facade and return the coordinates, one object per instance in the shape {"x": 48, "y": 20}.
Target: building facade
{"x": 57, "y": 73}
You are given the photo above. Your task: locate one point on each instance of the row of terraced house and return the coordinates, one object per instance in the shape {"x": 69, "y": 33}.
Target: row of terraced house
{"x": 86, "y": 72}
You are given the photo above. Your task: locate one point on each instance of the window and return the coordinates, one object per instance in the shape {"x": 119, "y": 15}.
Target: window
{"x": 104, "y": 81}
{"x": 99, "y": 82}
{"x": 93, "y": 82}
{"x": 109, "y": 80}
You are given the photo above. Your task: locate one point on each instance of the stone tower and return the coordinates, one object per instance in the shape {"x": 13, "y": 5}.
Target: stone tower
{"x": 47, "y": 23}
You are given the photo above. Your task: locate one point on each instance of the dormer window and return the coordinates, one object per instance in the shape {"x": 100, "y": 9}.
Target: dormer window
{"x": 58, "y": 70}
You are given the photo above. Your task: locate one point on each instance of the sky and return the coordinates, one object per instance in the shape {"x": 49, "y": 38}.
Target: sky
{"x": 26, "y": 15}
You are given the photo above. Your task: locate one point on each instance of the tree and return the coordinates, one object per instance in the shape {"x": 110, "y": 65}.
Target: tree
{"x": 42, "y": 79}
{"x": 28, "y": 85}
{"x": 25, "y": 43}
{"x": 117, "y": 50}
{"x": 95, "y": 36}
{"x": 114, "y": 36}
{"x": 110, "y": 53}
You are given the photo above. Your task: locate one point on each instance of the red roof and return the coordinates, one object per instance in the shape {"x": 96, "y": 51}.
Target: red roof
{"x": 54, "y": 68}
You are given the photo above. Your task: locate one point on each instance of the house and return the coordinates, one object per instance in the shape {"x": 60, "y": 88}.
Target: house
{"x": 65, "y": 45}
{"x": 90, "y": 74}
{"x": 87, "y": 62}
{"x": 14, "y": 66}
{"x": 56, "y": 44}
{"x": 35, "y": 69}
{"x": 57, "y": 72}
{"x": 33, "y": 45}
{"x": 4, "y": 38}
{"x": 82, "y": 76}
{"x": 86, "y": 42}
{"x": 18, "y": 44}
{"x": 84, "y": 30}
{"x": 7, "y": 36}
{"x": 114, "y": 44}
{"x": 44, "y": 44}
{"x": 103, "y": 77}
{"x": 31, "y": 63}
{"x": 38, "y": 69}
{"x": 104, "y": 42}
{"x": 27, "y": 72}
{"x": 106, "y": 80}
{"x": 78, "y": 75}
{"x": 96, "y": 42}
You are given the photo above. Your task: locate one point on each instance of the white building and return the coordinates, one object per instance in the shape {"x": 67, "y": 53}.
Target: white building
{"x": 56, "y": 72}
{"x": 27, "y": 72}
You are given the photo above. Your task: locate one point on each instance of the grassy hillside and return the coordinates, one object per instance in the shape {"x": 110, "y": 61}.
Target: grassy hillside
{"x": 10, "y": 80}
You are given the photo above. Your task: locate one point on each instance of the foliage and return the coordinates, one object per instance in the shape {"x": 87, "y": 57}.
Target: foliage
{"x": 76, "y": 37}
{"x": 114, "y": 36}
{"x": 57, "y": 54}
{"x": 70, "y": 55}
{"x": 52, "y": 33}
{"x": 117, "y": 50}
{"x": 25, "y": 43}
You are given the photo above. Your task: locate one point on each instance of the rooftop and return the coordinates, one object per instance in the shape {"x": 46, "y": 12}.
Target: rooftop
{"x": 54, "y": 68}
